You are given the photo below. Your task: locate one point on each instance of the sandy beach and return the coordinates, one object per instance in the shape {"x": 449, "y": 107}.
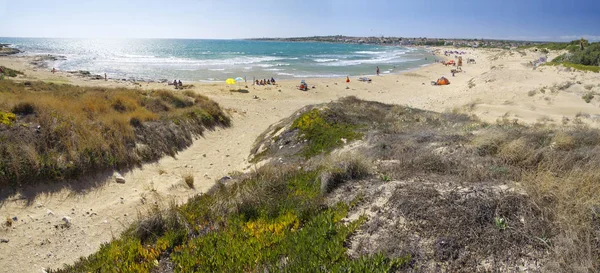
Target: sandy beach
{"x": 500, "y": 85}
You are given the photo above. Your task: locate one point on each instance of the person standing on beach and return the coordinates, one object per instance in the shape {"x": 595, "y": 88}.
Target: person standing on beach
{"x": 105, "y": 78}
{"x": 378, "y": 71}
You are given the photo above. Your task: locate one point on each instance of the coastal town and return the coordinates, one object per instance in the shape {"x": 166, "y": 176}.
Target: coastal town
{"x": 402, "y": 41}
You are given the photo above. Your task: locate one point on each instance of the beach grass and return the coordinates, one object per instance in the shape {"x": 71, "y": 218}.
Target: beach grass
{"x": 469, "y": 189}
{"x": 54, "y": 132}
{"x": 580, "y": 67}
{"x": 11, "y": 72}
{"x": 323, "y": 133}
{"x": 272, "y": 220}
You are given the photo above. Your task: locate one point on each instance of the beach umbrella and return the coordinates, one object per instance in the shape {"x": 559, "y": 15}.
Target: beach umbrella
{"x": 230, "y": 81}
{"x": 239, "y": 79}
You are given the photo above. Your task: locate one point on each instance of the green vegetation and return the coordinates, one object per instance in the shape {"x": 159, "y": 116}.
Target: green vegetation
{"x": 590, "y": 56}
{"x": 273, "y": 220}
{"x": 443, "y": 189}
{"x": 7, "y": 118}
{"x": 87, "y": 129}
{"x": 580, "y": 67}
{"x": 570, "y": 46}
{"x": 588, "y": 97}
{"x": 10, "y": 72}
{"x": 584, "y": 60}
{"x": 323, "y": 134}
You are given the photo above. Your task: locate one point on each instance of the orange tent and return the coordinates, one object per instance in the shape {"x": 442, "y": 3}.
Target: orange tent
{"x": 443, "y": 81}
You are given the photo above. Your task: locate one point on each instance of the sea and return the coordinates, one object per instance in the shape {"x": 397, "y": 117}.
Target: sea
{"x": 217, "y": 60}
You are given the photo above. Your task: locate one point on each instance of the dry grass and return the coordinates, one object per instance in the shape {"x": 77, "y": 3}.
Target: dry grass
{"x": 344, "y": 168}
{"x": 459, "y": 195}
{"x": 556, "y": 168}
{"x": 188, "y": 179}
{"x": 85, "y": 129}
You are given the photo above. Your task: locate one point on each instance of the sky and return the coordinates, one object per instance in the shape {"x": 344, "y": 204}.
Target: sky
{"x": 539, "y": 20}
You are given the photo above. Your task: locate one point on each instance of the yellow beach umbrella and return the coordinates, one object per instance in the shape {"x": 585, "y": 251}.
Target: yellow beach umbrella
{"x": 230, "y": 81}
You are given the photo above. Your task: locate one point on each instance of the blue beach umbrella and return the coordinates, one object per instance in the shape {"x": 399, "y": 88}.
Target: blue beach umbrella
{"x": 239, "y": 79}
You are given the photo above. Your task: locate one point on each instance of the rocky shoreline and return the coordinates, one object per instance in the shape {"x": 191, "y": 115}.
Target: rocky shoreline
{"x": 6, "y": 50}
{"x": 44, "y": 62}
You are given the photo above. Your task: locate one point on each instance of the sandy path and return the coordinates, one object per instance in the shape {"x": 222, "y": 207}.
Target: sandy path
{"x": 497, "y": 86}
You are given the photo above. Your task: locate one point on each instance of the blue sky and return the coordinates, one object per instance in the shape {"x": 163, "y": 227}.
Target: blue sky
{"x": 223, "y": 19}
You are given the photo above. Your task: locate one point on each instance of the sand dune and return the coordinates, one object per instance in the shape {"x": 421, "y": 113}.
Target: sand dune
{"x": 500, "y": 85}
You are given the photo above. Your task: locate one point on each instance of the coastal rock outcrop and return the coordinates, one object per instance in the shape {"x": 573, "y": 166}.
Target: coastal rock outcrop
{"x": 5, "y": 50}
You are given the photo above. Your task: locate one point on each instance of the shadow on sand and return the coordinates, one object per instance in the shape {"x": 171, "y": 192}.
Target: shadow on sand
{"x": 84, "y": 183}
{"x": 244, "y": 91}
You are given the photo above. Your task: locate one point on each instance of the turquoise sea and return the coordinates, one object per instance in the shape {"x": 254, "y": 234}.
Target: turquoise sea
{"x": 217, "y": 60}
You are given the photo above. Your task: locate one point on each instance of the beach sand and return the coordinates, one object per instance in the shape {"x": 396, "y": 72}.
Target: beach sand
{"x": 501, "y": 85}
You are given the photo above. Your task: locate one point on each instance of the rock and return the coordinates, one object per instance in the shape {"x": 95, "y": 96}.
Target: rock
{"x": 2, "y": 240}
{"x": 119, "y": 178}
{"x": 255, "y": 97}
{"x": 45, "y": 242}
{"x": 224, "y": 179}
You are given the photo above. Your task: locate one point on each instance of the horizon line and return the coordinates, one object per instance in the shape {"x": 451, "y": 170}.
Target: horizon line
{"x": 535, "y": 40}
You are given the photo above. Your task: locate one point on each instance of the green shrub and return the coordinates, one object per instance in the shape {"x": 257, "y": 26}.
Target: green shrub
{"x": 580, "y": 67}
{"x": 7, "y": 118}
{"x": 11, "y": 72}
{"x": 24, "y": 108}
{"x": 323, "y": 135}
{"x": 272, "y": 221}
{"x": 588, "y": 97}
